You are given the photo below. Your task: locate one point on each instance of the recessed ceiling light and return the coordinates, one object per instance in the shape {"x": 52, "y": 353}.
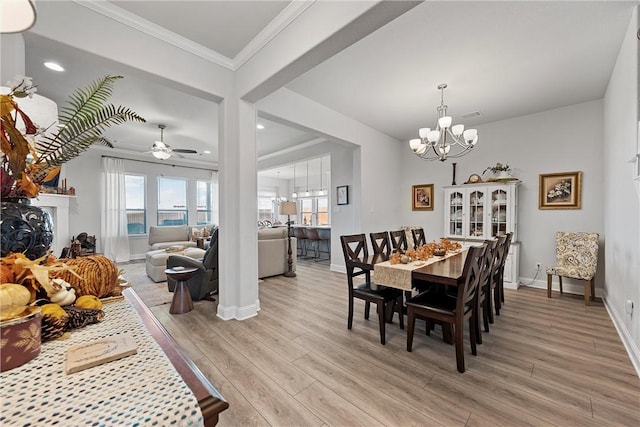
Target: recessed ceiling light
{"x": 53, "y": 66}
{"x": 259, "y": 126}
{"x": 207, "y": 152}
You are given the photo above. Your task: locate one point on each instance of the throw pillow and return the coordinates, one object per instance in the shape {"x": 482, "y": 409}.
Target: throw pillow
{"x": 197, "y": 232}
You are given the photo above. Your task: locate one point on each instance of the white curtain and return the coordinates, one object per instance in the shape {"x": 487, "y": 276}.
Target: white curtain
{"x": 115, "y": 238}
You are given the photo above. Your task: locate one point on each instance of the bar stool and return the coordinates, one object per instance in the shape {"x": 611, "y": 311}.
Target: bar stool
{"x": 301, "y": 236}
{"x": 314, "y": 241}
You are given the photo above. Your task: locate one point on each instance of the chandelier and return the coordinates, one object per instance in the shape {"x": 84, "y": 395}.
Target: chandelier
{"x": 445, "y": 140}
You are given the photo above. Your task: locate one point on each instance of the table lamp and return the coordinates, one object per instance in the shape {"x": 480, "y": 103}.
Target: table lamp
{"x": 288, "y": 209}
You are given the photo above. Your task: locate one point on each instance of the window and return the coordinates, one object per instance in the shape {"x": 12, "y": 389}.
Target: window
{"x": 172, "y": 201}
{"x": 266, "y": 203}
{"x": 204, "y": 198}
{"x": 135, "y": 203}
{"x": 322, "y": 210}
{"x": 306, "y": 210}
{"x": 314, "y": 210}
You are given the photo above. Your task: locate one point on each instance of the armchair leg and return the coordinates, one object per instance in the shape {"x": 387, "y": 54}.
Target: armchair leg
{"x": 587, "y": 287}
{"x": 549, "y": 277}
{"x": 560, "y": 281}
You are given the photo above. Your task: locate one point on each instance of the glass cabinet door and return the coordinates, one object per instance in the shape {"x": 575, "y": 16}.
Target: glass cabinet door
{"x": 455, "y": 213}
{"x": 476, "y": 213}
{"x": 499, "y": 212}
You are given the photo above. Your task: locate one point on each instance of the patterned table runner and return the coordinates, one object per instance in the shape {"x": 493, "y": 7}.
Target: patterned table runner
{"x": 399, "y": 275}
{"x": 142, "y": 389}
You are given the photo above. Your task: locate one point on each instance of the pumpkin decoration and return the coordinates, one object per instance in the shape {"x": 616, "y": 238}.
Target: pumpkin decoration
{"x": 64, "y": 295}
{"x": 92, "y": 275}
{"x": 14, "y": 299}
{"x": 53, "y": 310}
{"x": 89, "y": 301}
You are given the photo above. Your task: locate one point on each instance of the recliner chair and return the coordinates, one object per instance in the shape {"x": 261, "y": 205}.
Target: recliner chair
{"x": 205, "y": 281}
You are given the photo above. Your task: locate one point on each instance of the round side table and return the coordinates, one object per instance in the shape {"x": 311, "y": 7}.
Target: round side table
{"x": 181, "y": 302}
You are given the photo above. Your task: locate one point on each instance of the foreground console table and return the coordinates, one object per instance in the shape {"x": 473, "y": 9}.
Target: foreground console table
{"x": 210, "y": 400}
{"x": 156, "y": 386}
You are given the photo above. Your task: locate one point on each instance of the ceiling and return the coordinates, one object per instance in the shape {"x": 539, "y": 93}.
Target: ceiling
{"x": 501, "y": 59}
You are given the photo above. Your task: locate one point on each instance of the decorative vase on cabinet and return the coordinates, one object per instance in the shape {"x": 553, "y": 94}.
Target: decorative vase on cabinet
{"x": 475, "y": 212}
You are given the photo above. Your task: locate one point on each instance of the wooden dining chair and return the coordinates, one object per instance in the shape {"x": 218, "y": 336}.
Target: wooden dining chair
{"x": 418, "y": 237}
{"x": 387, "y": 300}
{"x": 487, "y": 287}
{"x": 398, "y": 241}
{"x": 380, "y": 243}
{"x": 504, "y": 244}
{"x": 450, "y": 311}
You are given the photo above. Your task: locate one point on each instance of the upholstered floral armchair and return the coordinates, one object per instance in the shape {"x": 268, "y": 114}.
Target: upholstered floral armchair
{"x": 577, "y": 258}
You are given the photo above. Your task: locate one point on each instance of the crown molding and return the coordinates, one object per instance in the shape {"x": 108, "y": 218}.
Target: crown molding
{"x": 275, "y": 27}
{"x": 293, "y": 149}
{"x": 137, "y": 23}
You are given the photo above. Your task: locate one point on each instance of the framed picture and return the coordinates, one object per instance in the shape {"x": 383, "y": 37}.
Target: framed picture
{"x": 560, "y": 190}
{"x": 422, "y": 197}
{"x": 343, "y": 195}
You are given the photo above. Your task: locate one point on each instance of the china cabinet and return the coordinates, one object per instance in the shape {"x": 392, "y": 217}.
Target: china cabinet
{"x": 475, "y": 212}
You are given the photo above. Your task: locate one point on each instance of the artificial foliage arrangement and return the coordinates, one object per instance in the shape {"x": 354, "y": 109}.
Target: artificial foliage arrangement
{"x": 497, "y": 168}
{"x": 30, "y": 157}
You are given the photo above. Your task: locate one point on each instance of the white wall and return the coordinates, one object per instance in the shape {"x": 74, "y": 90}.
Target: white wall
{"x": 621, "y": 199}
{"x": 560, "y": 140}
{"x": 83, "y": 173}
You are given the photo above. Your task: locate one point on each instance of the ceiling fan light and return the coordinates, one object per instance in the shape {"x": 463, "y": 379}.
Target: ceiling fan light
{"x": 162, "y": 155}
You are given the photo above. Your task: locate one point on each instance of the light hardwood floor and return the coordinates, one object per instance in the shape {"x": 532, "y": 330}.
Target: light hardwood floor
{"x": 545, "y": 362}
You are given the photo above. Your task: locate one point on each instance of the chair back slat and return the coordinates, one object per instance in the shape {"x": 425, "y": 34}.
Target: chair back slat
{"x": 353, "y": 247}
{"x": 380, "y": 242}
{"x": 398, "y": 241}
{"x": 472, "y": 273}
{"x": 418, "y": 237}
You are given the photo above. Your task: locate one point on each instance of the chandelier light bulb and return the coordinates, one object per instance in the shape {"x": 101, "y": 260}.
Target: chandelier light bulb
{"x": 423, "y": 132}
{"x": 415, "y": 144}
{"x": 457, "y": 130}
{"x": 444, "y": 122}
{"x": 422, "y": 149}
{"x": 433, "y": 136}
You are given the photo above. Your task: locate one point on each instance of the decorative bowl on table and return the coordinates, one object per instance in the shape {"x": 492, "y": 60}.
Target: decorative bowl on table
{"x": 20, "y": 339}
{"x": 439, "y": 251}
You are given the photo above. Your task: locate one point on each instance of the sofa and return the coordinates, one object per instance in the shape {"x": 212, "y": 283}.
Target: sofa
{"x": 273, "y": 252}
{"x": 162, "y": 237}
{"x": 205, "y": 281}
{"x": 167, "y": 240}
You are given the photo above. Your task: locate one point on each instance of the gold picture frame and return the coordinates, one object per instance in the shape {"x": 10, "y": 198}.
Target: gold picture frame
{"x": 422, "y": 197}
{"x": 561, "y": 190}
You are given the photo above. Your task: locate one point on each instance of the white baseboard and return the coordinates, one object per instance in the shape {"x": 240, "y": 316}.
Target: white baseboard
{"x": 623, "y": 332}
{"x": 338, "y": 268}
{"x": 238, "y": 313}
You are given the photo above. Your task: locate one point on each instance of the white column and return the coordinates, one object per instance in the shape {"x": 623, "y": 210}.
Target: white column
{"x": 238, "y": 239}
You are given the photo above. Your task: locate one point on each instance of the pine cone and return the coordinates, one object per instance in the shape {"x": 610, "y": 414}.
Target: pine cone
{"x": 79, "y": 317}
{"x": 52, "y": 327}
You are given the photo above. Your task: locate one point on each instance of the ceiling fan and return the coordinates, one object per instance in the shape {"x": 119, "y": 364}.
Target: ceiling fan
{"x": 162, "y": 151}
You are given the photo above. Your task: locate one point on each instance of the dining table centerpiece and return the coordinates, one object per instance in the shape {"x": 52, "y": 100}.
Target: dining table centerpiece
{"x": 32, "y": 154}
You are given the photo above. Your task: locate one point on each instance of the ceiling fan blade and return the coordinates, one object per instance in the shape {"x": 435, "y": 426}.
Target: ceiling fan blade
{"x": 173, "y": 153}
{"x": 184, "y": 150}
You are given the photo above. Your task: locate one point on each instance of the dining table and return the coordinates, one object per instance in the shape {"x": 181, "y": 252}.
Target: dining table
{"x": 444, "y": 270}
{"x": 421, "y": 275}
